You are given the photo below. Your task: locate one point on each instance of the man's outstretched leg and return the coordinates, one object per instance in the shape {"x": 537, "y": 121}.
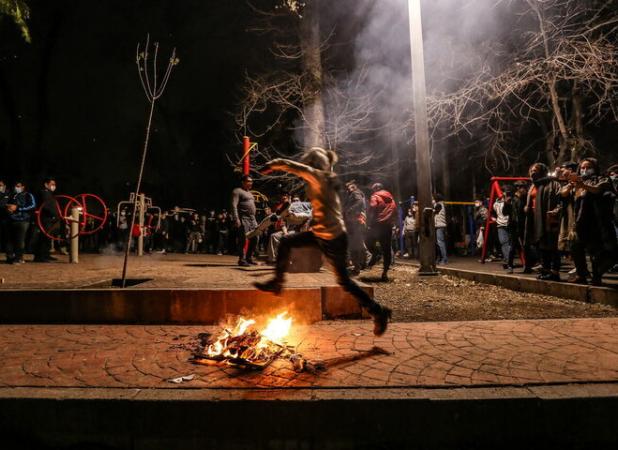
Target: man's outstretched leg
{"x": 335, "y": 250}
{"x": 283, "y": 260}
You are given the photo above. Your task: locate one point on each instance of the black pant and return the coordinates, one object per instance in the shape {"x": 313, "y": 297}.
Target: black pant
{"x": 16, "y": 243}
{"x": 41, "y": 244}
{"x": 241, "y": 240}
{"x": 381, "y": 232}
{"x": 4, "y": 234}
{"x": 335, "y": 251}
{"x": 550, "y": 259}
{"x": 515, "y": 249}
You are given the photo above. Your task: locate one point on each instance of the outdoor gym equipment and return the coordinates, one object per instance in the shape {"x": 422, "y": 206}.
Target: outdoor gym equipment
{"x": 142, "y": 206}
{"x": 92, "y": 211}
{"x": 496, "y": 191}
{"x": 83, "y": 215}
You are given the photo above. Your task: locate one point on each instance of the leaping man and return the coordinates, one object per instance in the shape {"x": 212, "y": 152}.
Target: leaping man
{"x": 327, "y": 231}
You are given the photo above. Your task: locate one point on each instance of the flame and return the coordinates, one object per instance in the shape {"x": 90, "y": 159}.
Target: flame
{"x": 243, "y": 341}
{"x": 242, "y": 326}
{"x": 277, "y": 328}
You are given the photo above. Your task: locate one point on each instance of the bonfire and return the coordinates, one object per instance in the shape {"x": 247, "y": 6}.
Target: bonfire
{"x": 243, "y": 345}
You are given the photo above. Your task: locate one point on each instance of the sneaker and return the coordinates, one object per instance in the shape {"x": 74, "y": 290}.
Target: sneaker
{"x": 384, "y": 277}
{"x": 252, "y": 262}
{"x": 19, "y": 261}
{"x": 549, "y": 277}
{"x": 596, "y": 281}
{"x": 269, "y": 286}
{"x": 527, "y": 270}
{"x": 243, "y": 263}
{"x": 380, "y": 321}
{"x": 509, "y": 269}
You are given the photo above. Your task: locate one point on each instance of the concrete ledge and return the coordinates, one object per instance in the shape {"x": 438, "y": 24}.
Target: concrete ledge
{"x": 509, "y": 417}
{"x": 169, "y": 306}
{"x": 590, "y": 294}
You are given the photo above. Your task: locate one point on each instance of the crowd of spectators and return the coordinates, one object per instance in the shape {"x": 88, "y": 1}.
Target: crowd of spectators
{"x": 568, "y": 214}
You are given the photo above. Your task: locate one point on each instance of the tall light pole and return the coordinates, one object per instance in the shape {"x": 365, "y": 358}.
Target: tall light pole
{"x": 427, "y": 244}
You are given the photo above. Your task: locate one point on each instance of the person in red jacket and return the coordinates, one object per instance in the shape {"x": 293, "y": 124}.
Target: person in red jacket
{"x": 381, "y": 215}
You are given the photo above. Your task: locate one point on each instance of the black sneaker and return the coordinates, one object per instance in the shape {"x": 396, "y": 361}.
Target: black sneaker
{"x": 252, "y": 262}
{"x": 243, "y": 263}
{"x": 380, "y": 321}
{"x": 384, "y": 277}
{"x": 549, "y": 277}
{"x": 269, "y": 286}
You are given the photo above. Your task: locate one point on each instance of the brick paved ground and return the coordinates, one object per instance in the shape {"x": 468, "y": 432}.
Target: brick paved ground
{"x": 446, "y": 354}
{"x": 173, "y": 270}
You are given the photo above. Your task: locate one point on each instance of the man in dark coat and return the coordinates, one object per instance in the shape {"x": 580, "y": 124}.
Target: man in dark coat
{"x": 594, "y": 201}
{"x": 49, "y": 221}
{"x": 355, "y": 218}
{"x": 543, "y": 208}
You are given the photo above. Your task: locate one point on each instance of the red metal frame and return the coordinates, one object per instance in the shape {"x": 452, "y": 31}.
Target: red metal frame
{"x": 496, "y": 191}
{"x": 63, "y": 214}
{"x": 246, "y": 155}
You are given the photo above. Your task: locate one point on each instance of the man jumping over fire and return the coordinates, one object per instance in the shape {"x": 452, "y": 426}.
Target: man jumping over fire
{"x": 327, "y": 229}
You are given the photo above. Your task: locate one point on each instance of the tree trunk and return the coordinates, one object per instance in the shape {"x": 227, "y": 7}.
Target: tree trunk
{"x": 578, "y": 125}
{"x": 313, "y": 108}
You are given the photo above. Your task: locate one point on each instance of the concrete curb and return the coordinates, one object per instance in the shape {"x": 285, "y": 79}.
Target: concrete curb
{"x": 170, "y": 306}
{"x": 568, "y": 415}
{"x": 584, "y": 293}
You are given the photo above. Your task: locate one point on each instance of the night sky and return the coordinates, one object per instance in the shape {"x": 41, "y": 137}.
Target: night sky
{"x": 71, "y": 104}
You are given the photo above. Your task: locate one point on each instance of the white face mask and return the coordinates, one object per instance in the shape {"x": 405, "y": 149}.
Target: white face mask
{"x": 52, "y": 188}
{"x": 2, "y": 189}
{"x": 19, "y": 190}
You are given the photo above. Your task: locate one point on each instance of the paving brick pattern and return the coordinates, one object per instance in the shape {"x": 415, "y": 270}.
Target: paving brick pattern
{"x": 420, "y": 355}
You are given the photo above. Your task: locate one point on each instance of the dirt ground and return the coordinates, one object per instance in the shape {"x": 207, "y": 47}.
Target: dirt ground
{"x": 444, "y": 298}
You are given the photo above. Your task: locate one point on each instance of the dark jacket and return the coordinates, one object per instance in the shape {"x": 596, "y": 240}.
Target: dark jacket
{"x": 25, "y": 206}
{"x": 594, "y": 214}
{"x": 542, "y": 228}
{"x": 47, "y": 203}
{"x": 4, "y": 200}
{"x": 353, "y": 206}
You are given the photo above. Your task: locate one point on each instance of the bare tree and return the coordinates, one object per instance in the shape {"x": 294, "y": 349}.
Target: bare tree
{"x": 317, "y": 105}
{"x": 560, "y": 75}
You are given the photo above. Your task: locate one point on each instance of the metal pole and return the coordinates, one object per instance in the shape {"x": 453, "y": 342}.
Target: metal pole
{"x": 427, "y": 244}
{"x": 74, "y": 257}
{"x": 140, "y": 238}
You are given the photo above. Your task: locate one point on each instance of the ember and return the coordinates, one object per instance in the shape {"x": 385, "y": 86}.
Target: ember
{"x": 244, "y": 346}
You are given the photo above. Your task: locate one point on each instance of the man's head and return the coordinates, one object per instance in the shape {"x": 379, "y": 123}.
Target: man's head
{"x": 20, "y": 187}
{"x": 285, "y": 198}
{"x": 320, "y": 159}
{"x": 351, "y": 186}
{"x": 521, "y": 187}
{"x": 50, "y": 184}
{"x": 613, "y": 171}
{"x": 2, "y": 186}
{"x": 437, "y": 197}
{"x": 247, "y": 182}
{"x": 507, "y": 191}
{"x": 375, "y": 187}
{"x": 567, "y": 168}
{"x": 296, "y": 198}
{"x": 537, "y": 170}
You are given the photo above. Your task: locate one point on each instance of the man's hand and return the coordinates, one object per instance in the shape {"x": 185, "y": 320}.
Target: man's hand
{"x": 11, "y": 208}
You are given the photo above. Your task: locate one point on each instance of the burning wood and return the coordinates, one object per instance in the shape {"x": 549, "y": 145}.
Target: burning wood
{"x": 242, "y": 345}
